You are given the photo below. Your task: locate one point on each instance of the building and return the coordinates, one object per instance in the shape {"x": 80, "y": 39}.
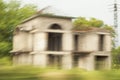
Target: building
{"x": 48, "y": 40}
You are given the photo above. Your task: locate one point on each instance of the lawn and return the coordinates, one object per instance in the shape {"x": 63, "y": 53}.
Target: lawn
{"x": 35, "y": 73}
{"x": 10, "y": 72}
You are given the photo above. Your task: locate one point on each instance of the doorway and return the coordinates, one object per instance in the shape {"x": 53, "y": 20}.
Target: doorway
{"x": 54, "y": 41}
{"x": 55, "y": 60}
{"x": 100, "y": 62}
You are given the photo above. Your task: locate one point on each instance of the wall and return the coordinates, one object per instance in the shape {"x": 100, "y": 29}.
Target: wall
{"x": 22, "y": 41}
{"x": 40, "y": 41}
{"x": 43, "y": 23}
{"x": 19, "y": 41}
{"x": 108, "y": 42}
{"x": 88, "y": 42}
{"x": 22, "y": 59}
{"x": 67, "y": 44}
{"x": 46, "y": 22}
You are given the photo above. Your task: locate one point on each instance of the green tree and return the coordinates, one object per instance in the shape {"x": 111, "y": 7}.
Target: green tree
{"x": 116, "y": 58}
{"x": 95, "y": 22}
{"x": 11, "y": 14}
{"x": 81, "y": 23}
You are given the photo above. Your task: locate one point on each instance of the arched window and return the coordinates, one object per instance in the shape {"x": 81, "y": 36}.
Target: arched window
{"x": 55, "y": 26}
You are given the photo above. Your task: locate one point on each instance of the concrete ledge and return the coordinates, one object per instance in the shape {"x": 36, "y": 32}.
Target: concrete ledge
{"x": 51, "y": 52}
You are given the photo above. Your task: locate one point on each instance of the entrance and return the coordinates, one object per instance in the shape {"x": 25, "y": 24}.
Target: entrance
{"x": 54, "y": 41}
{"x": 55, "y": 60}
{"x": 81, "y": 60}
{"x": 100, "y": 62}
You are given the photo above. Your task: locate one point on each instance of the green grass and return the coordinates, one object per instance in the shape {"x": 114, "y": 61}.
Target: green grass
{"x": 9, "y": 72}
{"x": 35, "y": 73}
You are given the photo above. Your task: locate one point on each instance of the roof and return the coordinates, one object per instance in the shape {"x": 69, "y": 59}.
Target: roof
{"x": 46, "y": 15}
{"x": 46, "y": 12}
{"x": 92, "y": 29}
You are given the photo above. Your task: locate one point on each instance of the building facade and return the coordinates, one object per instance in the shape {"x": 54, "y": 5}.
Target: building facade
{"x": 45, "y": 40}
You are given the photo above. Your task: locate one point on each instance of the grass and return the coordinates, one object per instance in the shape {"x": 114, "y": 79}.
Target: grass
{"x": 35, "y": 73}
{"x": 8, "y": 72}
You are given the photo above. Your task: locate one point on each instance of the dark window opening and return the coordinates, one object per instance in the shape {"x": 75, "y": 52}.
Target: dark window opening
{"x": 54, "y": 41}
{"x": 76, "y": 42}
{"x": 101, "y": 42}
{"x": 100, "y": 62}
{"x": 55, "y": 60}
{"x": 55, "y": 26}
{"x": 75, "y": 60}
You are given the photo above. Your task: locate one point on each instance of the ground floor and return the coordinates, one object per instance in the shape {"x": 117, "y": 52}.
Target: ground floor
{"x": 66, "y": 60}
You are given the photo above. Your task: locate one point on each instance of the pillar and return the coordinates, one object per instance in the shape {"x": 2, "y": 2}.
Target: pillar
{"x": 40, "y": 41}
{"x": 67, "y": 44}
{"x": 40, "y": 59}
{"x": 67, "y": 61}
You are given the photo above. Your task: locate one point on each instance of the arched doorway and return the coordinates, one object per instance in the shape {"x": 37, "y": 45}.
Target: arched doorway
{"x": 55, "y": 39}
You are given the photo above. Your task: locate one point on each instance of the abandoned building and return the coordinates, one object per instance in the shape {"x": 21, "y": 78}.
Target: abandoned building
{"x": 48, "y": 40}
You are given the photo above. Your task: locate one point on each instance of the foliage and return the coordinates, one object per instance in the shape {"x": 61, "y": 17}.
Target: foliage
{"x": 34, "y": 73}
{"x": 116, "y": 58}
{"x": 11, "y": 13}
{"x": 5, "y": 61}
{"x": 107, "y": 27}
{"x": 81, "y": 23}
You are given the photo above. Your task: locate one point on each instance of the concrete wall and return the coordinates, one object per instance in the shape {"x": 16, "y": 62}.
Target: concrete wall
{"x": 86, "y": 61}
{"x": 40, "y": 59}
{"x": 20, "y": 41}
{"x": 22, "y": 59}
{"x": 47, "y": 22}
{"x": 108, "y": 43}
{"x": 88, "y": 42}
{"x": 40, "y": 41}
{"x": 68, "y": 42}
{"x": 67, "y": 61}
{"x": 43, "y": 23}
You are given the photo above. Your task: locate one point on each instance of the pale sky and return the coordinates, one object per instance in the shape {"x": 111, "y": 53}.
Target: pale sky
{"x": 99, "y": 9}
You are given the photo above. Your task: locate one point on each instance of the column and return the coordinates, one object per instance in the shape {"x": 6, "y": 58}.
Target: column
{"x": 108, "y": 43}
{"x": 67, "y": 61}
{"x": 67, "y": 44}
{"x": 40, "y": 59}
{"x": 40, "y": 41}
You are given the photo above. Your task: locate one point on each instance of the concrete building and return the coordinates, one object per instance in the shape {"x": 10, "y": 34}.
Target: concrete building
{"x": 48, "y": 40}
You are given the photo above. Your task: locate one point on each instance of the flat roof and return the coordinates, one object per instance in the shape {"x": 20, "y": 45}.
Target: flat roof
{"x": 91, "y": 30}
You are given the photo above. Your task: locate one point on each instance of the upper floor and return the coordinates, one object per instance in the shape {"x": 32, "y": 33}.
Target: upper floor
{"x": 55, "y": 34}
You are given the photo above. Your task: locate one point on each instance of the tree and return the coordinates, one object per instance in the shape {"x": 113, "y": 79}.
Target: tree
{"x": 116, "y": 58}
{"x": 11, "y": 14}
{"x": 81, "y": 23}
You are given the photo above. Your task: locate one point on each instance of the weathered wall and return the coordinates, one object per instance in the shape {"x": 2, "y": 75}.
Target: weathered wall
{"x": 67, "y": 61}
{"x": 43, "y": 23}
{"x": 108, "y": 43}
{"x": 22, "y": 59}
{"x": 40, "y": 41}
{"x": 67, "y": 44}
{"x": 86, "y": 62}
{"x": 22, "y": 41}
{"x": 88, "y": 42}
{"x": 40, "y": 59}
{"x": 47, "y": 22}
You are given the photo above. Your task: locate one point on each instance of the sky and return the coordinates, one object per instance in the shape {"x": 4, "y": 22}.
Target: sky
{"x": 100, "y": 9}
